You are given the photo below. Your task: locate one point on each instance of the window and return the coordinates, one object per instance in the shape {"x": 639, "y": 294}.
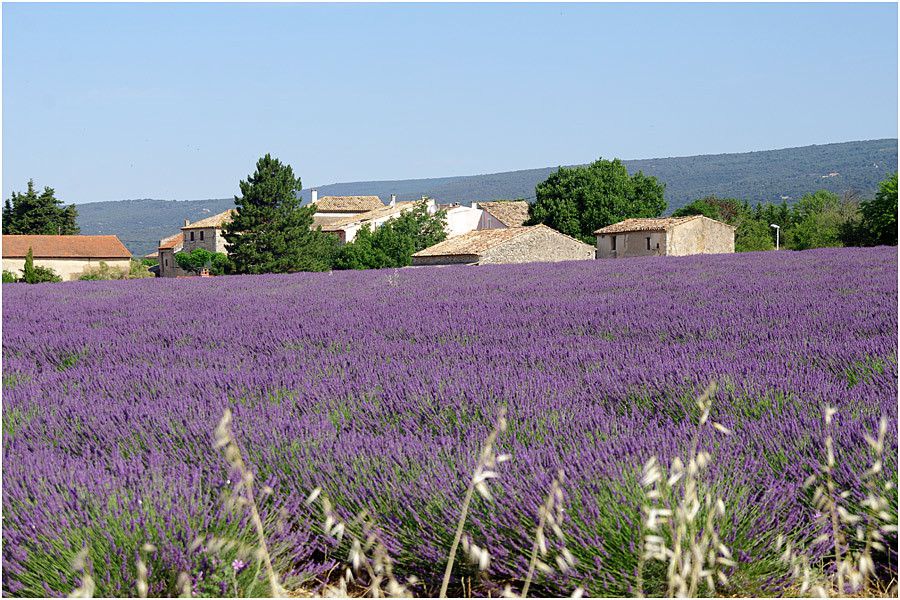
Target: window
{"x": 166, "y": 262}
{"x": 192, "y": 238}
{"x": 648, "y": 243}
{"x": 201, "y": 236}
{"x": 613, "y": 242}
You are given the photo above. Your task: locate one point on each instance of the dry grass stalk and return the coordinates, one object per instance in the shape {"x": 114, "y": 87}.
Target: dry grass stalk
{"x": 679, "y": 510}
{"x": 367, "y": 556}
{"x": 550, "y": 515}
{"x": 86, "y": 589}
{"x": 853, "y": 567}
{"x": 245, "y": 498}
{"x": 484, "y": 470}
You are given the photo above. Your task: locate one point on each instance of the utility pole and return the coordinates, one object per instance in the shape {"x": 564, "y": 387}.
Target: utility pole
{"x": 777, "y": 234}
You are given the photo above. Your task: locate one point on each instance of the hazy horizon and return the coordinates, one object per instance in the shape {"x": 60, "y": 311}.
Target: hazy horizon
{"x": 178, "y": 101}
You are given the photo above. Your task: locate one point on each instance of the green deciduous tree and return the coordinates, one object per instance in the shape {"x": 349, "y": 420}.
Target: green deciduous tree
{"x": 270, "y": 231}
{"x": 200, "y": 258}
{"x": 817, "y": 221}
{"x": 393, "y": 243}
{"x": 38, "y": 214}
{"x": 578, "y": 200}
{"x": 878, "y": 225}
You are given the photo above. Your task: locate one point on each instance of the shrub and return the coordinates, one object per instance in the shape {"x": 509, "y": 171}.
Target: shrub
{"x": 9, "y": 277}
{"x": 199, "y": 259}
{"x": 37, "y": 274}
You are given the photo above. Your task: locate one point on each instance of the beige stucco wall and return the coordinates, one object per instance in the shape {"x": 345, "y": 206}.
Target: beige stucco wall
{"x": 632, "y": 243}
{"x": 540, "y": 245}
{"x": 69, "y": 269}
{"x": 212, "y": 241}
{"x": 701, "y": 236}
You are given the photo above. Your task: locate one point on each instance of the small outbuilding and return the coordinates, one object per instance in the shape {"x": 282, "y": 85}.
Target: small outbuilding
{"x": 537, "y": 243}
{"x": 67, "y": 255}
{"x": 670, "y": 236}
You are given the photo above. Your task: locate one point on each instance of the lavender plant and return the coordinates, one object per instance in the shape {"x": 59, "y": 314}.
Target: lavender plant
{"x": 110, "y": 390}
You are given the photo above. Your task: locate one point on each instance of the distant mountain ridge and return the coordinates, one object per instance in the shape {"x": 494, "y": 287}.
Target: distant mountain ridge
{"x": 767, "y": 175}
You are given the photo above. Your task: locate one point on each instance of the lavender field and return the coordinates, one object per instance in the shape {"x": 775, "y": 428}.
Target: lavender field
{"x": 381, "y": 386}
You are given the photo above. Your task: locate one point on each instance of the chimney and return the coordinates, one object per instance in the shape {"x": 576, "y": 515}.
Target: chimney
{"x": 186, "y": 222}
{"x": 314, "y": 196}
{"x": 393, "y": 200}
{"x": 475, "y": 205}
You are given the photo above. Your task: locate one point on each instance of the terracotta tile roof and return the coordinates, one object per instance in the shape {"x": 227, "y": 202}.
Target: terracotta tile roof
{"x": 663, "y": 224}
{"x": 379, "y": 213}
{"x": 64, "y": 246}
{"x": 214, "y": 221}
{"x": 510, "y": 213}
{"x": 355, "y": 204}
{"x": 173, "y": 241}
{"x": 475, "y": 242}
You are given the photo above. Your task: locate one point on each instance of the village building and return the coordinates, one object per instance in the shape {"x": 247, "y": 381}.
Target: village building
{"x": 501, "y": 214}
{"x": 206, "y": 233}
{"x": 67, "y": 255}
{"x": 168, "y": 247}
{"x": 346, "y": 228}
{"x": 344, "y": 206}
{"x": 461, "y": 219}
{"x": 536, "y": 243}
{"x": 670, "y": 236}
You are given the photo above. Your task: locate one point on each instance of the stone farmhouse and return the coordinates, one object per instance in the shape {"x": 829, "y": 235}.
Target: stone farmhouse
{"x": 205, "y": 233}
{"x": 510, "y": 245}
{"x": 67, "y": 255}
{"x": 670, "y": 236}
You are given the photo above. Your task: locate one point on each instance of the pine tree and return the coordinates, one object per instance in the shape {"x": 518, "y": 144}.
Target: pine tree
{"x": 39, "y": 214}
{"x": 270, "y": 232}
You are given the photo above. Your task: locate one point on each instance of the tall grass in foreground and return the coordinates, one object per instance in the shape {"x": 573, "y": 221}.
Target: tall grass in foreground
{"x": 680, "y": 529}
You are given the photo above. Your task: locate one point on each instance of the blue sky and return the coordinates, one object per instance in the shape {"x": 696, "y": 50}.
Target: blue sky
{"x": 106, "y": 102}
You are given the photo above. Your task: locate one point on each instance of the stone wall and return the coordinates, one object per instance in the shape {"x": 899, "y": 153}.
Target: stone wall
{"x": 538, "y": 245}
{"x": 213, "y": 241}
{"x": 701, "y": 236}
{"x": 632, "y": 243}
{"x": 425, "y": 261}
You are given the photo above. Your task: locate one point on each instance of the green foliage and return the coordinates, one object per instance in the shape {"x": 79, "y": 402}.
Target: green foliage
{"x": 578, "y": 200}
{"x": 393, "y": 243}
{"x": 199, "y": 258}
{"x": 270, "y": 231}
{"x": 149, "y": 262}
{"x": 37, "y": 274}
{"x": 817, "y": 221}
{"x": 104, "y": 272}
{"x": 38, "y": 214}
{"x": 9, "y": 277}
{"x": 879, "y": 216}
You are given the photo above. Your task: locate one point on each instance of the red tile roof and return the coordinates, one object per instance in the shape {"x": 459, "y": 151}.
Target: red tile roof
{"x": 64, "y": 246}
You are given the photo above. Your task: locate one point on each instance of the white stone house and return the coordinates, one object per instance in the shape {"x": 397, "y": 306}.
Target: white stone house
{"x": 536, "y": 243}
{"x": 669, "y": 236}
{"x": 461, "y": 219}
{"x": 502, "y": 214}
{"x": 67, "y": 255}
